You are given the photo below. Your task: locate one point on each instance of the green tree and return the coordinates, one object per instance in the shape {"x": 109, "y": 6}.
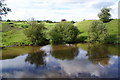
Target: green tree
{"x": 97, "y": 32}
{"x": 3, "y": 9}
{"x": 63, "y": 20}
{"x": 8, "y": 20}
{"x": 105, "y": 15}
{"x": 63, "y": 32}
{"x": 36, "y": 33}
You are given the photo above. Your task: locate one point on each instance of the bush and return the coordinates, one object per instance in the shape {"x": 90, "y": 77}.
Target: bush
{"x": 73, "y": 22}
{"x": 8, "y": 20}
{"x": 24, "y": 25}
{"x": 81, "y": 39}
{"x": 36, "y": 33}
{"x": 63, "y": 32}
{"x": 48, "y": 21}
{"x": 112, "y": 39}
{"x": 97, "y": 32}
{"x": 63, "y": 20}
{"x": 39, "y": 21}
{"x": 11, "y": 23}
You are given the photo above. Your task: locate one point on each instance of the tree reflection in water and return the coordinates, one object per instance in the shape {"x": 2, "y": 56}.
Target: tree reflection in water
{"x": 71, "y": 61}
{"x": 98, "y": 54}
{"x": 65, "y": 52}
{"x": 59, "y": 52}
{"x": 36, "y": 58}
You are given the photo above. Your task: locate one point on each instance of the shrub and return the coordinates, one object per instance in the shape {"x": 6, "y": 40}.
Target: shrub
{"x": 73, "y": 22}
{"x": 8, "y": 20}
{"x": 11, "y": 23}
{"x": 97, "y": 32}
{"x": 63, "y": 32}
{"x": 24, "y": 25}
{"x": 39, "y": 21}
{"x": 48, "y": 21}
{"x": 36, "y": 33}
{"x": 63, "y": 20}
{"x": 112, "y": 39}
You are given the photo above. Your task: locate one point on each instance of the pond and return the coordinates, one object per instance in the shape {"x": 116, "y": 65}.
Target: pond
{"x": 60, "y": 61}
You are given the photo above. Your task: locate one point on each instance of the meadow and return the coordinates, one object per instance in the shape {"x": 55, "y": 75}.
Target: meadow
{"x": 13, "y": 32}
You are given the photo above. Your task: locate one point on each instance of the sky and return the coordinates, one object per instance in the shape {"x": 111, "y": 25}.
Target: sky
{"x": 56, "y": 10}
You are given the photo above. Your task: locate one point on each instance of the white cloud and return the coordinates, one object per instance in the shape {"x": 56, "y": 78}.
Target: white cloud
{"x": 114, "y": 11}
{"x": 58, "y": 9}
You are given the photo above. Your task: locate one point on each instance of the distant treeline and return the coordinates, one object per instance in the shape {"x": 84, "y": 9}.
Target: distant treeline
{"x": 47, "y": 21}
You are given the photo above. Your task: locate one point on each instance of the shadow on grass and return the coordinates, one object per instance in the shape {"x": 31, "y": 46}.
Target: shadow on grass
{"x": 112, "y": 39}
{"x": 81, "y": 39}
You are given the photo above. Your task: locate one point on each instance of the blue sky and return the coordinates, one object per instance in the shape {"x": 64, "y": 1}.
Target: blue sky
{"x": 56, "y": 10}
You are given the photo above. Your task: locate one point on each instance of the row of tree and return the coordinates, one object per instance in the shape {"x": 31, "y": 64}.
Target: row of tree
{"x": 64, "y": 32}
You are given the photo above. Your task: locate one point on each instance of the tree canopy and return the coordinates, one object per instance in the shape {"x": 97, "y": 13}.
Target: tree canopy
{"x": 36, "y": 33}
{"x": 97, "y": 32}
{"x": 3, "y": 8}
{"x": 105, "y": 15}
{"x": 64, "y": 32}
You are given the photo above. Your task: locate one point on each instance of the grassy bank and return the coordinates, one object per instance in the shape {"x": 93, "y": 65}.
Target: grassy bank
{"x": 13, "y": 32}
{"x": 111, "y": 26}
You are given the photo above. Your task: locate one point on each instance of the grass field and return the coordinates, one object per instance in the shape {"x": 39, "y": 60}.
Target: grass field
{"x": 13, "y": 32}
{"x": 111, "y": 26}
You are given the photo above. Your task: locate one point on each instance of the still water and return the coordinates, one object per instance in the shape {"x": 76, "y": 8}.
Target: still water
{"x": 60, "y": 61}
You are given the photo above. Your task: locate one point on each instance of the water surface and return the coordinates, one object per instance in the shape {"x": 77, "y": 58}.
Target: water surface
{"x": 60, "y": 61}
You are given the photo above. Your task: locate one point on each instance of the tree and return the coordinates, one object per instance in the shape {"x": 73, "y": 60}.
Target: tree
{"x": 3, "y": 9}
{"x": 8, "y": 20}
{"x": 63, "y": 32}
{"x": 97, "y": 32}
{"x": 36, "y": 33}
{"x": 63, "y": 20}
{"x": 48, "y": 21}
{"x": 105, "y": 15}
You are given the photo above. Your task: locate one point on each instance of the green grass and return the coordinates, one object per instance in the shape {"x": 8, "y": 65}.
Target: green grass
{"x": 15, "y": 35}
{"x": 83, "y": 26}
{"x": 111, "y": 26}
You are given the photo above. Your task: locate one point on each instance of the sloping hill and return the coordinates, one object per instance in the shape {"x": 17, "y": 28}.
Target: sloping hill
{"x": 112, "y": 27}
{"x": 12, "y": 35}
{"x": 83, "y": 26}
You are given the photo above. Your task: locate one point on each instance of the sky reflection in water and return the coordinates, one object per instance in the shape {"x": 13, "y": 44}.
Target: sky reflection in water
{"x": 62, "y": 61}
